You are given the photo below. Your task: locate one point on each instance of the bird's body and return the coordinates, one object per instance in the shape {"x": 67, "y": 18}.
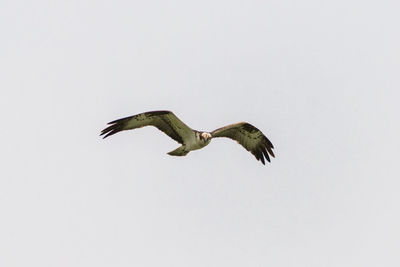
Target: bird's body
{"x": 244, "y": 133}
{"x": 194, "y": 142}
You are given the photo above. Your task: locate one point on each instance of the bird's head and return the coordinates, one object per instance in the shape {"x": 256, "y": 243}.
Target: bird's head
{"x": 206, "y": 137}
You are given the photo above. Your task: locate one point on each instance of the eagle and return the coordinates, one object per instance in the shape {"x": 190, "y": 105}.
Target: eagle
{"x": 251, "y": 138}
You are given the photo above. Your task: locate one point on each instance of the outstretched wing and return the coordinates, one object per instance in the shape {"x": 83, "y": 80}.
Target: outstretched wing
{"x": 165, "y": 121}
{"x": 249, "y": 137}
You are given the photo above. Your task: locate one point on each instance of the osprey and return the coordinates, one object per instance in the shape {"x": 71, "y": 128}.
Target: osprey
{"x": 244, "y": 133}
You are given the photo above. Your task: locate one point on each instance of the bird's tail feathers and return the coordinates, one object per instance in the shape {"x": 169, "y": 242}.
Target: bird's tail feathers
{"x": 180, "y": 151}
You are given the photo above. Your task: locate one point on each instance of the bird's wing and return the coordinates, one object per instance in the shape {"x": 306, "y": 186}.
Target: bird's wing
{"x": 251, "y": 138}
{"x": 165, "y": 121}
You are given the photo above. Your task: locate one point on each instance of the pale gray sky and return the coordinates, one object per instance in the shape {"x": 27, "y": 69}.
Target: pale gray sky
{"x": 319, "y": 78}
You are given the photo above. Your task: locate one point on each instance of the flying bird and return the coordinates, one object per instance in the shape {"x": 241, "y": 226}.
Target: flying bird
{"x": 251, "y": 138}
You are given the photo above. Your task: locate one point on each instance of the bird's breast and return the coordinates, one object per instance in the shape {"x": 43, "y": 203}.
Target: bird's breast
{"x": 197, "y": 143}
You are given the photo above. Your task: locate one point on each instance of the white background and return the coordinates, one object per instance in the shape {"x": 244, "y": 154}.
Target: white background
{"x": 319, "y": 78}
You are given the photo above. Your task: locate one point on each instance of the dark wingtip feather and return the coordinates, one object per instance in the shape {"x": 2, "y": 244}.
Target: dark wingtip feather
{"x": 258, "y": 154}
{"x": 263, "y": 149}
{"x": 266, "y": 148}
{"x": 271, "y": 152}
{"x": 110, "y": 133}
{"x": 262, "y": 159}
{"x": 119, "y": 120}
{"x": 268, "y": 142}
{"x": 116, "y": 127}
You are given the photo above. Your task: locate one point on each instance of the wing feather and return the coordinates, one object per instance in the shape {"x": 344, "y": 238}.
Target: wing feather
{"x": 163, "y": 120}
{"x": 251, "y": 138}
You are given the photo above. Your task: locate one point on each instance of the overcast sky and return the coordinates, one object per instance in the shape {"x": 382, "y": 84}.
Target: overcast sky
{"x": 319, "y": 78}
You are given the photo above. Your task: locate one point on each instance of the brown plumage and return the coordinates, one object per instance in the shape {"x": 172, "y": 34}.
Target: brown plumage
{"x": 165, "y": 121}
{"x": 251, "y": 138}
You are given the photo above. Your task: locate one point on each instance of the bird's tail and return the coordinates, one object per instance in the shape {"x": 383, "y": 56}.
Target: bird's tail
{"x": 180, "y": 151}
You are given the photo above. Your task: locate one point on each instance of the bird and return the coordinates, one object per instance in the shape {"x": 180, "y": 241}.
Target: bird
{"x": 251, "y": 138}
